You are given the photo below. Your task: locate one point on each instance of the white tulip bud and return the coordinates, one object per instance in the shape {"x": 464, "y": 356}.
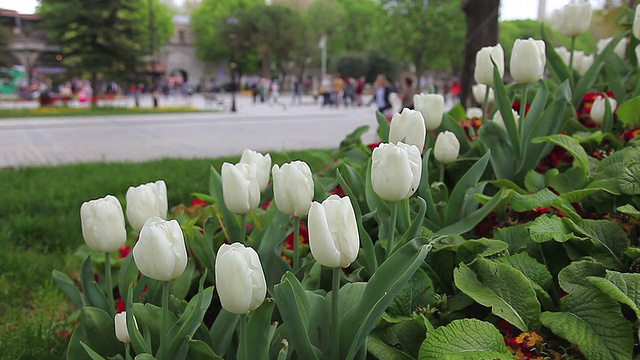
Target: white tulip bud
{"x": 574, "y": 18}
{"x": 408, "y": 127}
{"x": 479, "y": 91}
{"x": 395, "y": 170}
{"x": 528, "y": 59}
{"x": 620, "y": 49}
{"x": 431, "y": 106}
{"x": 497, "y": 118}
{"x": 474, "y": 113}
{"x": 160, "y": 252}
{"x": 240, "y": 190}
{"x": 293, "y": 188}
{"x": 447, "y": 147}
{"x": 263, "y": 166}
{"x": 103, "y": 226}
{"x": 333, "y": 232}
{"x": 483, "y": 73}
{"x": 598, "y": 109}
{"x": 122, "y": 333}
{"x": 145, "y": 201}
{"x": 240, "y": 279}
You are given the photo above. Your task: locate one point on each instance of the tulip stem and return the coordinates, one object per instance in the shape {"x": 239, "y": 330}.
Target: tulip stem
{"x": 107, "y": 274}
{"x": 442, "y": 172}
{"x": 573, "y": 46}
{"x": 335, "y": 292}
{"x": 127, "y": 346}
{"x": 392, "y": 226}
{"x": 244, "y": 219}
{"x": 165, "y": 313}
{"x": 523, "y": 108}
{"x": 296, "y": 244}
{"x": 485, "y": 104}
{"x": 244, "y": 342}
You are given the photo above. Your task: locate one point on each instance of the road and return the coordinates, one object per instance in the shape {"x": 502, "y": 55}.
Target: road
{"x": 261, "y": 127}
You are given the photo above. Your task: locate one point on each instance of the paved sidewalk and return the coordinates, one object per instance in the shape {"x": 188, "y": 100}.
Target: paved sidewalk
{"x": 262, "y": 127}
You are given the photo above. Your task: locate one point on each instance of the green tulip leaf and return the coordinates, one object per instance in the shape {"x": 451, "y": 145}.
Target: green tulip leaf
{"x": 497, "y": 141}
{"x": 201, "y": 248}
{"x": 380, "y": 350}
{"x": 270, "y": 249}
{"x": 503, "y": 288}
{"x": 145, "y": 357}
{"x": 557, "y": 67}
{"x": 609, "y": 239}
{"x": 188, "y": 322}
{"x": 613, "y": 68}
{"x": 220, "y": 334}
{"x": 68, "y": 287}
{"x": 587, "y": 80}
{"x": 594, "y": 322}
{"x": 258, "y": 339}
{"x": 96, "y": 329}
{"x": 464, "y": 339}
{"x": 470, "y": 221}
{"x": 92, "y": 354}
{"x": 504, "y": 105}
{"x": 232, "y": 225}
{"x": 142, "y": 344}
{"x": 416, "y": 225}
{"x": 128, "y": 275}
{"x": 546, "y": 228}
{"x": 424, "y": 190}
{"x": 383, "y": 127}
{"x": 180, "y": 286}
{"x": 199, "y": 350}
{"x": 535, "y": 111}
{"x": 629, "y": 113}
{"x": 94, "y": 295}
{"x": 455, "y": 204}
{"x": 295, "y": 310}
{"x": 380, "y": 291}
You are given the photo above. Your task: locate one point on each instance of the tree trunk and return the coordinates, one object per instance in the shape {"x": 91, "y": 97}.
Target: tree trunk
{"x": 482, "y": 30}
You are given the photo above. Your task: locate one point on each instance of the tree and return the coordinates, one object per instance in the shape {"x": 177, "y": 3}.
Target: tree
{"x": 102, "y": 38}
{"x": 482, "y": 30}
{"x": 424, "y": 33}
{"x": 209, "y": 22}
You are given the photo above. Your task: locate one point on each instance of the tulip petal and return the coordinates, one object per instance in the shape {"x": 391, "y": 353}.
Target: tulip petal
{"x": 321, "y": 241}
{"x": 233, "y": 281}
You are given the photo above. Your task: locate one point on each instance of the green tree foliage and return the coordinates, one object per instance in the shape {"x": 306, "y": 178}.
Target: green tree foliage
{"x": 209, "y": 24}
{"x": 271, "y": 31}
{"x": 425, "y": 33}
{"x": 104, "y": 39}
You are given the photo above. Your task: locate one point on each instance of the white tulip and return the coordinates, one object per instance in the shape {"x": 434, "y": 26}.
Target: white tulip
{"x": 528, "y": 59}
{"x": 395, "y": 170}
{"x": 564, "y": 54}
{"x": 483, "y": 73}
{"x": 474, "y": 113}
{"x": 479, "y": 91}
{"x": 333, "y": 232}
{"x": 293, "y": 188}
{"x": 122, "y": 333}
{"x": 620, "y": 49}
{"x": 240, "y": 279}
{"x": 408, "y": 127}
{"x": 103, "y": 226}
{"x": 581, "y": 61}
{"x": 145, "y": 201}
{"x": 240, "y": 189}
{"x": 636, "y": 23}
{"x": 263, "y": 166}
{"x": 160, "y": 252}
{"x": 497, "y": 118}
{"x": 431, "y": 106}
{"x": 447, "y": 147}
{"x": 598, "y": 109}
{"x": 637, "y": 50}
{"x": 574, "y": 18}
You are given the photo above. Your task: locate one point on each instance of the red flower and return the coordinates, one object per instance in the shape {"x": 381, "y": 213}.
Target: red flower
{"x": 516, "y": 106}
{"x": 373, "y": 145}
{"x": 198, "y": 202}
{"x": 124, "y": 250}
{"x": 120, "y": 306}
{"x": 337, "y": 191}
{"x": 303, "y": 239}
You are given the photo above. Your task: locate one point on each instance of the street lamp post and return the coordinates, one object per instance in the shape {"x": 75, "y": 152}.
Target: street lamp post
{"x": 232, "y": 22}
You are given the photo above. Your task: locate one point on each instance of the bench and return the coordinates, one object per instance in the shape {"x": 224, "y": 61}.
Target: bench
{"x": 211, "y": 99}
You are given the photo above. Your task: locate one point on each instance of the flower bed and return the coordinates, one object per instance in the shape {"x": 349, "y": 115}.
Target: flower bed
{"x": 509, "y": 235}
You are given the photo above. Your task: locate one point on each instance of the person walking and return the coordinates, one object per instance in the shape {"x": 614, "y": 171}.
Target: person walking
{"x": 381, "y": 93}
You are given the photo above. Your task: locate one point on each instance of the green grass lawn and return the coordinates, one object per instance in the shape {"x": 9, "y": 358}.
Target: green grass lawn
{"x": 94, "y": 111}
{"x": 40, "y": 231}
